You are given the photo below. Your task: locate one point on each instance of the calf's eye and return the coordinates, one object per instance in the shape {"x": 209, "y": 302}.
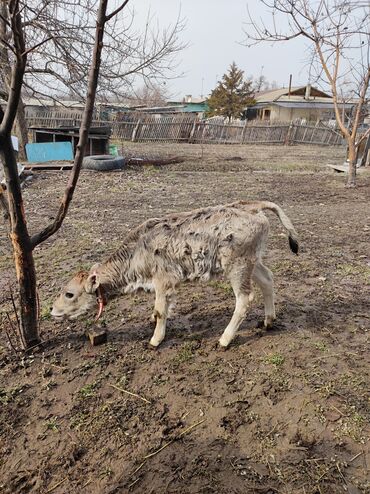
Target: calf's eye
{"x": 69, "y": 295}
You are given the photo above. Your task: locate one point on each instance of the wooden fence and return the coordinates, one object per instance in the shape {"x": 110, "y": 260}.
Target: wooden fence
{"x": 141, "y": 127}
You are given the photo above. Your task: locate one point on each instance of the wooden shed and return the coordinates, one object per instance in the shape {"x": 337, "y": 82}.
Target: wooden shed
{"x": 98, "y": 139}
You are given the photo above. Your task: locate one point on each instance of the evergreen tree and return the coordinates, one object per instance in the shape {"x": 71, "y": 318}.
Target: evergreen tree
{"x": 231, "y": 95}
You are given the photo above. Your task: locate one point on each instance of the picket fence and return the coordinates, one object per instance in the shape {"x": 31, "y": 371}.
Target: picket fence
{"x": 139, "y": 127}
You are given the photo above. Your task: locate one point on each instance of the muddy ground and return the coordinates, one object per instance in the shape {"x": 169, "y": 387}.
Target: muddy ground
{"x": 284, "y": 411}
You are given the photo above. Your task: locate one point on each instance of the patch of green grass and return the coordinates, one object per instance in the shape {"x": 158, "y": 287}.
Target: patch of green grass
{"x": 83, "y": 267}
{"x": 84, "y": 368}
{"x": 49, "y": 385}
{"x": 186, "y": 352}
{"x": 88, "y": 390}
{"x": 8, "y": 395}
{"x": 52, "y": 424}
{"x": 161, "y": 379}
{"x": 327, "y": 389}
{"x": 320, "y": 345}
{"x": 106, "y": 472}
{"x": 222, "y": 285}
{"x": 45, "y": 314}
{"x": 275, "y": 359}
{"x": 78, "y": 420}
{"x": 350, "y": 270}
{"x": 150, "y": 169}
{"x": 352, "y": 426}
{"x": 347, "y": 269}
{"x": 288, "y": 166}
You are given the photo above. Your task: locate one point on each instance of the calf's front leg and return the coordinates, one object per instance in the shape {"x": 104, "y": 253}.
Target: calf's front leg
{"x": 159, "y": 316}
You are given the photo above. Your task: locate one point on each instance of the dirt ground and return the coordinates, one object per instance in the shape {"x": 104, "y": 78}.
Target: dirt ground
{"x": 284, "y": 411}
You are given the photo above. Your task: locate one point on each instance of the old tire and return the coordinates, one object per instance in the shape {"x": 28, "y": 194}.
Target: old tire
{"x": 103, "y": 163}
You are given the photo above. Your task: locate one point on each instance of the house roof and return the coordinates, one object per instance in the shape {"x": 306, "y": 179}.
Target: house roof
{"x": 188, "y": 100}
{"x": 329, "y": 105}
{"x": 295, "y": 94}
{"x": 48, "y": 103}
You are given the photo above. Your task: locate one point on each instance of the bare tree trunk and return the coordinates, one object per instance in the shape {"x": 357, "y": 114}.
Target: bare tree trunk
{"x": 21, "y": 242}
{"x": 365, "y": 156}
{"x": 23, "y": 259}
{"x": 351, "y": 180}
{"x": 21, "y": 129}
{"x": 23, "y": 245}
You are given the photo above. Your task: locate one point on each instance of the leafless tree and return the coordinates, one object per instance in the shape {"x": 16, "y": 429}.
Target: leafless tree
{"x": 338, "y": 34}
{"x": 61, "y": 33}
{"x": 260, "y": 83}
{"x": 150, "y": 95}
{"x": 22, "y": 241}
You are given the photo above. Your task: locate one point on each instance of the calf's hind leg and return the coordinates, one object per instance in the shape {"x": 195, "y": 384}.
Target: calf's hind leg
{"x": 264, "y": 279}
{"x": 160, "y": 315}
{"x": 240, "y": 279}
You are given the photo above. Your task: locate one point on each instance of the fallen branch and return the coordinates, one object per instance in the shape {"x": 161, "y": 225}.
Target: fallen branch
{"x": 161, "y": 449}
{"x": 56, "y": 485}
{"x": 8, "y": 335}
{"x": 23, "y": 342}
{"x": 129, "y": 393}
{"x": 154, "y": 161}
{"x": 356, "y": 456}
{"x": 174, "y": 439}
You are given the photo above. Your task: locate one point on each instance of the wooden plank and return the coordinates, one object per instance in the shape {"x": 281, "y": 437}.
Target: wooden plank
{"x": 344, "y": 168}
{"x": 48, "y": 166}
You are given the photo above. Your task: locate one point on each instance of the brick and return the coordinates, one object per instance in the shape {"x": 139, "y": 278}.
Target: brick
{"x": 97, "y": 336}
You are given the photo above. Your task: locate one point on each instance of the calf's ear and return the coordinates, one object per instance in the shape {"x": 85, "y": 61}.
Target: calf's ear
{"x": 92, "y": 283}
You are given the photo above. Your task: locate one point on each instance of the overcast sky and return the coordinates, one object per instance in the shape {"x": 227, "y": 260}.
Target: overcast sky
{"x": 213, "y": 32}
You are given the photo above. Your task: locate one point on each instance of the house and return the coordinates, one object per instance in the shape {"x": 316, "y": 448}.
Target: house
{"x": 294, "y": 103}
{"x": 40, "y": 106}
{"x": 192, "y": 106}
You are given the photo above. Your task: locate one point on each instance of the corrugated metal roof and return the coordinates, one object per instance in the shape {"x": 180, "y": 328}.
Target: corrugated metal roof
{"x": 274, "y": 94}
{"x": 328, "y": 105}
{"x": 283, "y": 94}
{"x": 310, "y": 104}
{"x": 187, "y": 101}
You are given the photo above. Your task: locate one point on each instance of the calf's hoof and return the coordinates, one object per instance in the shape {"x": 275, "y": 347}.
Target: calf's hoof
{"x": 267, "y": 323}
{"x": 154, "y": 344}
{"x": 223, "y": 343}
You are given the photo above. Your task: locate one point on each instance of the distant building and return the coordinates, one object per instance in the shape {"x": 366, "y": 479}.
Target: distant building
{"x": 297, "y": 103}
{"x": 190, "y": 105}
{"x": 39, "y": 106}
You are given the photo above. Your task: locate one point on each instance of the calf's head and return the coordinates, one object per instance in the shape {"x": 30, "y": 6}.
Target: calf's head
{"x": 78, "y": 297}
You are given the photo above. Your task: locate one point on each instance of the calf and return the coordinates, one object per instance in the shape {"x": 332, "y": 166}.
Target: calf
{"x": 197, "y": 245}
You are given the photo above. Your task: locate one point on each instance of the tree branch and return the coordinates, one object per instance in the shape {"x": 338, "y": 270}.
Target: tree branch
{"x": 115, "y": 12}
{"x": 84, "y": 130}
{"x": 18, "y": 69}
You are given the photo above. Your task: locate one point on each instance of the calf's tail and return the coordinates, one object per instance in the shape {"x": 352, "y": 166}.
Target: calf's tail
{"x": 288, "y": 225}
